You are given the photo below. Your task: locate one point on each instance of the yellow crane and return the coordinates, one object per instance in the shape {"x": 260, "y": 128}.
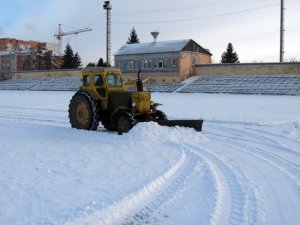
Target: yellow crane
{"x": 60, "y": 34}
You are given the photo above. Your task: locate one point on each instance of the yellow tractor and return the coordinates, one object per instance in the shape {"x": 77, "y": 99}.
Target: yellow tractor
{"x": 102, "y": 98}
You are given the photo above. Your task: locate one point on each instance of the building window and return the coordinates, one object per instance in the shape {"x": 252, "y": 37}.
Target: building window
{"x": 174, "y": 62}
{"x": 145, "y": 64}
{"x": 129, "y": 65}
{"x": 196, "y": 59}
{"x": 161, "y": 63}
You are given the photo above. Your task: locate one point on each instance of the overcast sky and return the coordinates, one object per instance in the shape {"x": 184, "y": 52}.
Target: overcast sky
{"x": 252, "y": 26}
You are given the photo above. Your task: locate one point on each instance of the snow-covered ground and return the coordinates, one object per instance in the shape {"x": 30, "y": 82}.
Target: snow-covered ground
{"x": 244, "y": 168}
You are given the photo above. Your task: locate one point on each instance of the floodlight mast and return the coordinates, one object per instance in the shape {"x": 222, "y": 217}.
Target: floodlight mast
{"x": 281, "y": 58}
{"x": 107, "y": 6}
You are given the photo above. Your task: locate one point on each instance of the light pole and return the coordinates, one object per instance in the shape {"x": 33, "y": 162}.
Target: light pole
{"x": 281, "y": 31}
{"x": 107, "y": 6}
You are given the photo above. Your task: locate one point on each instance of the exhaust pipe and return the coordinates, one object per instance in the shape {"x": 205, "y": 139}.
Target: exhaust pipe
{"x": 139, "y": 83}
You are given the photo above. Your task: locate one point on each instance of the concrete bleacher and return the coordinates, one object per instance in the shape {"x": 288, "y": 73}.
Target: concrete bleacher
{"x": 59, "y": 84}
{"x": 42, "y": 84}
{"x": 280, "y": 84}
{"x": 164, "y": 87}
{"x": 22, "y": 84}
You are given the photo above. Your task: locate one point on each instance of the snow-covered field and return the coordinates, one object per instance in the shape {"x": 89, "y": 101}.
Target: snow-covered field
{"x": 244, "y": 168}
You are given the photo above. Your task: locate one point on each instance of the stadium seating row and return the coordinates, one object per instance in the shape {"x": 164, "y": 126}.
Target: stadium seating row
{"x": 42, "y": 84}
{"x": 281, "y": 84}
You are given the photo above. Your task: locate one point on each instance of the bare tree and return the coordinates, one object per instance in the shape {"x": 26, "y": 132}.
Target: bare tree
{"x": 293, "y": 59}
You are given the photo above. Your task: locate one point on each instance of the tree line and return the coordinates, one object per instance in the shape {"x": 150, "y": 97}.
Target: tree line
{"x": 40, "y": 59}
{"x": 70, "y": 60}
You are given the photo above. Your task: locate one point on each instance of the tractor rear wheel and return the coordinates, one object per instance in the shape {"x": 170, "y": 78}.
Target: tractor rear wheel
{"x": 83, "y": 112}
{"x": 124, "y": 122}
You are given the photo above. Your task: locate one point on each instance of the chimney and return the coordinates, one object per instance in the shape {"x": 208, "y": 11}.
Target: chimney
{"x": 155, "y": 35}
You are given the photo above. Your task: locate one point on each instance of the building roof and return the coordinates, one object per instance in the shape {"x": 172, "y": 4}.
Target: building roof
{"x": 156, "y": 47}
{"x": 5, "y": 53}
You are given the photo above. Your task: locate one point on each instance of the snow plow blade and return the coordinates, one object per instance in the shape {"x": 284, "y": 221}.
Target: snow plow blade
{"x": 196, "y": 124}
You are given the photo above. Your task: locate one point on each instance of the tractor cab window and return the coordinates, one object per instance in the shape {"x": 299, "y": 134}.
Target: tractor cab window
{"x": 86, "y": 80}
{"x": 98, "y": 79}
{"x": 114, "y": 80}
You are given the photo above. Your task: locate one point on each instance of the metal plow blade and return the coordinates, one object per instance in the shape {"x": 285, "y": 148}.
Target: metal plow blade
{"x": 196, "y": 124}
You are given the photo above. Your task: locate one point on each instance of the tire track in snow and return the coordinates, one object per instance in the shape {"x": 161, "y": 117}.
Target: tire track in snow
{"x": 34, "y": 119}
{"x": 285, "y": 190}
{"x": 277, "y": 135}
{"x": 149, "y": 214}
{"x": 288, "y": 168}
{"x": 34, "y": 115}
{"x": 278, "y": 141}
{"x": 233, "y": 188}
{"x": 143, "y": 204}
{"x": 252, "y": 136}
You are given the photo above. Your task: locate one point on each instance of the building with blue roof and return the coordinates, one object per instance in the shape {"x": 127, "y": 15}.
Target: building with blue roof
{"x": 161, "y": 60}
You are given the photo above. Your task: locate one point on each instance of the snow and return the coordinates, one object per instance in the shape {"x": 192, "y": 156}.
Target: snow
{"x": 244, "y": 168}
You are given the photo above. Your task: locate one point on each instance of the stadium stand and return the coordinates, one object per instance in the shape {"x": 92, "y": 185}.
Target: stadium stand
{"x": 164, "y": 87}
{"x": 42, "y": 84}
{"x": 280, "y": 84}
{"x": 59, "y": 84}
{"x": 22, "y": 84}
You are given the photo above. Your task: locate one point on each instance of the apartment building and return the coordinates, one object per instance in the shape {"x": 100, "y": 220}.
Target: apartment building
{"x": 18, "y": 55}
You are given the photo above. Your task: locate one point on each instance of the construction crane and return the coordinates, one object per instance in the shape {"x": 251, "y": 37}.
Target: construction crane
{"x": 60, "y": 34}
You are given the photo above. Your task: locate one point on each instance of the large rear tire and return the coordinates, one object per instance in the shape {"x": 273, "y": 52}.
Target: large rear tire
{"x": 83, "y": 112}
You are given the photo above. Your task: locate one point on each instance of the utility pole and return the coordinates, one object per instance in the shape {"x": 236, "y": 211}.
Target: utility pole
{"x": 107, "y": 6}
{"x": 282, "y": 31}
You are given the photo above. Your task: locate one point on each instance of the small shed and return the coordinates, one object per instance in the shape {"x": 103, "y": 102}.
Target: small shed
{"x": 162, "y": 60}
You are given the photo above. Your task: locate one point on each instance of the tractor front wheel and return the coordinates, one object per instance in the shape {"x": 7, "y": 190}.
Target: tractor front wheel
{"x": 160, "y": 116}
{"x": 106, "y": 121}
{"x": 124, "y": 122}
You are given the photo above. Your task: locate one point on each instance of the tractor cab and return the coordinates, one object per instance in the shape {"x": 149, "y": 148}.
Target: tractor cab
{"x": 99, "y": 82}
{"x": 105, "y": 85}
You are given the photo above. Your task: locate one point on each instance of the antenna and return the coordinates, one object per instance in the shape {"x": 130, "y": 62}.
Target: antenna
{"x": 107, "y": 6}
{"x": 155, "y": 35}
